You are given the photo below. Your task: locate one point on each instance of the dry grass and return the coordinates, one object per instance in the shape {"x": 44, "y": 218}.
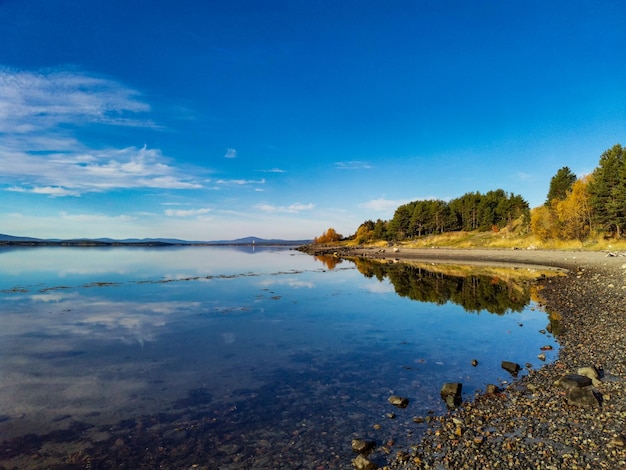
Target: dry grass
{"x": 502, "y": 240}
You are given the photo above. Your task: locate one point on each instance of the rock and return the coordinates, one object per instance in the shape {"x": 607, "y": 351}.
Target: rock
{"x": 511, "y": 367}
{"x": 229, "y": 449}
{"x": 590, "y": 372}
{"x": 400, "y": 402}
{"x": 491, "y": 389}
{"x": 617, "y": 441}
{"x": 362, "y": 446}
{"x": 451, "y": 394}
{"x": 541, "y": 357}
{"x": 474, "y": 362}
{"x": 363, "y": 463}
{"x": 573, "y": 381}
{"x": 584, "y": 397}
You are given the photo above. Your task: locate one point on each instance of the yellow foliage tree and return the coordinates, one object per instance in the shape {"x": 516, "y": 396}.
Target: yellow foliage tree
{"x": 568, "y": 218}
{"x": 329, "y": 236}
{"x": 543, "y": 223}
{"x": 574, "y": 212}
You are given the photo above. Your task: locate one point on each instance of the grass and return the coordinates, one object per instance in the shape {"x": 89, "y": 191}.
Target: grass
{"x": 501, "y": 240}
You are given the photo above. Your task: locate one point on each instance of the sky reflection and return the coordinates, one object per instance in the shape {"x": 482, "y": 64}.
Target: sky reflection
{"x": 93, "y": 350}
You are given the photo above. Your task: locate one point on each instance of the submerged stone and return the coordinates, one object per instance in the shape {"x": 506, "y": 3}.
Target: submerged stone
{"x": 400, "y": 402}
{"x": 363, "y": 463}
{"x": 362, "y": 446}
{"x": 511, "y": 367}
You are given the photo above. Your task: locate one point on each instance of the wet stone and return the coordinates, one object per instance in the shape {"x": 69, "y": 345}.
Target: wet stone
{"x": 400, "y": 402}
{"x": 363, "y": 463}
{"x": 491, "y": 389}
{"x": 451, "y": 394}
{"x": 583, "y": 397}
{"x": 362, "y": 446}
{"x": 590, "y": 372}
{"x": 573, "y": 381}
{"x": 511, "y": 367}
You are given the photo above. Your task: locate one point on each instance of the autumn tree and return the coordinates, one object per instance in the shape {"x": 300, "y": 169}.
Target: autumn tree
{"x": 574, "y": 212}
{"x": 329, "y": 236}
{"x": 365, "y": 232}
{"x": 544, "y": 223}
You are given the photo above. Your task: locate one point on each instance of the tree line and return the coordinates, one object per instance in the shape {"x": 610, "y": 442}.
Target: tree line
{"x": 580, "y": 208}
{"x": 472, "y": 211}
{"x": 575, "y": 209}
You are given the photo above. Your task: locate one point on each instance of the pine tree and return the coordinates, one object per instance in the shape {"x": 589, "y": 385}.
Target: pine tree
{"x": 560, "y": 184}
{"x": 608, "y": 192}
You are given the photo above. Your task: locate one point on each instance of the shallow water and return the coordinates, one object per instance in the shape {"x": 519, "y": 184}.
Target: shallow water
{"x": 237, "y": 358}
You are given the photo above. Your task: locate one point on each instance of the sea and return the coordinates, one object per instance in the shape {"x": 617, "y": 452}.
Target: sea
{"x": 244, "y": 357}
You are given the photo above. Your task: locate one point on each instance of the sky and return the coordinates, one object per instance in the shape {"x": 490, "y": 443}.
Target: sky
{"x": 279, "y": 119}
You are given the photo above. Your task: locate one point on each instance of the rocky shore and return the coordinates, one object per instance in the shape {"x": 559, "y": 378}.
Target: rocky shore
{"x": 536, "y": 422}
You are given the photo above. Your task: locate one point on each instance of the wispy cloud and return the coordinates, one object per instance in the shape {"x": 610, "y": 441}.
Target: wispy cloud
{"x": 187, "y": 213}
{"x": 293, "y": 208}
{"x": 90, "y": 218}
{"x": 353, "y": 165}
{"x": 238, "y": 182}
{"x": 231, "y": 153}
{"x": 273, "y": 170}
{"x": 382, "y": 205}
{"x": 42, "y": 100}
{"x": 39, "y": 153}
{"x": 105, "y": 170}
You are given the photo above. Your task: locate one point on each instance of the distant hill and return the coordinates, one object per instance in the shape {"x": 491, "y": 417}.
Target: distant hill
{"x": 25, "y": 241}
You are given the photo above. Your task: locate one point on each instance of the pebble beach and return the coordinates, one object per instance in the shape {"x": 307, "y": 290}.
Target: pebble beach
{"x": 532, "y": 423}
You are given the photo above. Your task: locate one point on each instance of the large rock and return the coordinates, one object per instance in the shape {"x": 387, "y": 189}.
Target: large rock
{"x": 451, "y": 394}
{"x": 573, "y": 381}
{"x": 511, "y": 367}
{"x": 584, "y": 397}
{"x": 590, "y": 372}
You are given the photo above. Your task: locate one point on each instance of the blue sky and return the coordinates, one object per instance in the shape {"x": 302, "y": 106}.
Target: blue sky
{"x": 223, "y": 119}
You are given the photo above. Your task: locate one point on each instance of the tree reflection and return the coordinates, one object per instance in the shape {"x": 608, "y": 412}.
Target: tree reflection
{"x": 494, "y": 293}
{"x": 330, "y": 261}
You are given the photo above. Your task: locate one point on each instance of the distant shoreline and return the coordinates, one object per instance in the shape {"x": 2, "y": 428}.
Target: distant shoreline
{"x": 152, "y": 244}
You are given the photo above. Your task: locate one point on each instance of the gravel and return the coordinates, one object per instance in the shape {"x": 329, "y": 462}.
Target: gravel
{"x": 530, "y": 424}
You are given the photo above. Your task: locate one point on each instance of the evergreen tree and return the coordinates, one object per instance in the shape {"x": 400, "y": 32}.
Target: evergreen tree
{"x": 608, "y": 192}
{"x": 560, "y": 184}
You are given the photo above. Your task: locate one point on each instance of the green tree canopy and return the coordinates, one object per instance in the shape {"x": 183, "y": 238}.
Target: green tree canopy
{"x": 560, "y": 184}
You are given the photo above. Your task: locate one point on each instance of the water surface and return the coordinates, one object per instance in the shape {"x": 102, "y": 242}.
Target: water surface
{"x": 238, "y": 358}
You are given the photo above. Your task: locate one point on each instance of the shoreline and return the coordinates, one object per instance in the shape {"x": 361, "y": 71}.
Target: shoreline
{"x": 531, "y": 424}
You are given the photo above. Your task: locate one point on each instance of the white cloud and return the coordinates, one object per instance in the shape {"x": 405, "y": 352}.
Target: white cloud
{"x": 187, "y": 213}
{"x": 292, "y": 208}
{"x": 52, "y": 191}
{"x": 353, "y": 165}
{"x": 99, "y": 218}
{"x": 39, "y": 112}
{"x": 273, "y": 170}
{"x": 239, "y": 182}
{"x": 231, "y": 153}
{"x": 382, "y": 204}
{"x": 40, "y": 100}
{"x": 96, "y": 171}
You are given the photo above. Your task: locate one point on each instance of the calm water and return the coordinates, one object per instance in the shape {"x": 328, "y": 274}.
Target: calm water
{"x": 227, "y": 358}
